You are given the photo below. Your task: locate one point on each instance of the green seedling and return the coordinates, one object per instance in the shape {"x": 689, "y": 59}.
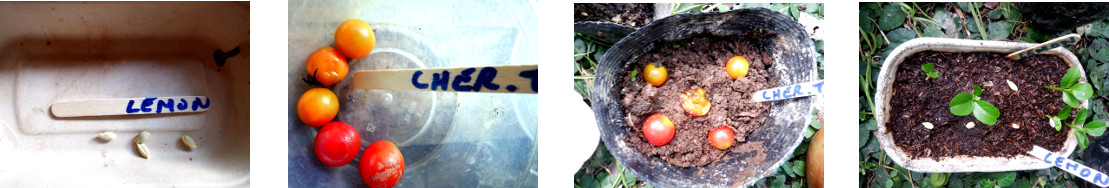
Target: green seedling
{"x": 966, "y": 103}
{"x": 930, "y": 69}
{"x": 1082, "y": 130}
{"x": 1073, "y": 93}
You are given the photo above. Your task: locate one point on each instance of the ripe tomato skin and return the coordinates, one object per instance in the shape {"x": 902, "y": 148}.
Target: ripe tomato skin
{"x": 695, "y": 104}
{"x": 381, "y": 165}
{"x": 721, "y": 137}
{"x": 327, "y": 65}
{"x": 655, "y": 74}
{"x": 317, "y": 107}
{"x": 355, "y": 38}
{"x": 337, "y": 144}
{"x": 737, "y": 67}
{"x": 658, "y": 129}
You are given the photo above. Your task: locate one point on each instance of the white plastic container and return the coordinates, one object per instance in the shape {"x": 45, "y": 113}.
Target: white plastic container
{"x": 961, "y": 163}
{"x": 55, "y": 51}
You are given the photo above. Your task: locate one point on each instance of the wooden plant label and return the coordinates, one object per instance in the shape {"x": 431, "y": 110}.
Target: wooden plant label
{"x": 1079, "y": 170}
{"x": 1043, "y": 47}
{"x": 127, "y": 106}
{"x": 493, "y": 79}
{"x": 790, "y": 91}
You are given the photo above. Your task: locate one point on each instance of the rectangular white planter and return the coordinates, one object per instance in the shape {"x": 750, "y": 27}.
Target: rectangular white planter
{"x": 960, "y": 163}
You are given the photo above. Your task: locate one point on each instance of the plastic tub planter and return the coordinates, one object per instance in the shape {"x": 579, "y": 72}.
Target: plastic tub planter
{"x": 784, "y": 129}
{"x": 960, "y": 163}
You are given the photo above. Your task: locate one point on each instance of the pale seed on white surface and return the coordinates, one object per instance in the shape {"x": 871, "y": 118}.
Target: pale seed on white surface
{"x": 188, "y": 141}
{"x": 106, "y": 136}
{"x": 143, "y": 136}
{"x": 143, "y": 150}
{"x": 927, "y": 125}
{"x": 1012, "y": 85}
{"x": 970, "y": 125}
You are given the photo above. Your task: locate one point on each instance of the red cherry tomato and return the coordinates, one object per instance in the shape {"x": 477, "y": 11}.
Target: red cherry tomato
{"x": 721, "y": 137}
{"x": 381, "y": 165}
{"x": 658, "y": 129}
{"x": 337, "y": 144}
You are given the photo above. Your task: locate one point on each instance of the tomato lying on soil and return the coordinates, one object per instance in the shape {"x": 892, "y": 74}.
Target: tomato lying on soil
{"x": 655, "y": 74}
{"x": 658, "y": 129}
{"x": 694, "y": 103}
{"x": 722, "y": 137}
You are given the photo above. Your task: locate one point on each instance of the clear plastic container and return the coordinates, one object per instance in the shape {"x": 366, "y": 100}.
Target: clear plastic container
{"x": 448, "y": 139}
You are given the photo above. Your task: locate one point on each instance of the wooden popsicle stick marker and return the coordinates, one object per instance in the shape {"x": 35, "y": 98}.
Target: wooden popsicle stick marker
{"x": 1043, "y": 47}
{"x": 1078, "y": 170}
{"x": 490, "y": 79}
{"x": 129, "y": 106}
{"x": 789, "y": 92}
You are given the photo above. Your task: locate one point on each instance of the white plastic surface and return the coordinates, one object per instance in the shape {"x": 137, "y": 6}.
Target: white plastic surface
{"x": 56, "y": 51}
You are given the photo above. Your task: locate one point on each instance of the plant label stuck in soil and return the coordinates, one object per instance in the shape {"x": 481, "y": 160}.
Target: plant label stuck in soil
{"x": 790, "y": 91}
{"x": 129, "y": 106}
{"x": 1061, "y": 162}
{"x": 494, "y": 79}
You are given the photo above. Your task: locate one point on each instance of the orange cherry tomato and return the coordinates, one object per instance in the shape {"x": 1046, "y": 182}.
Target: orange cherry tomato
{"x": 694, "y": 103}
{"x": 658, "y": 129}
{"x": 327, "y": 65}
{"x": 381, "y": 165}
{"x": 721, "y": 137}
{"x": 655, "y": 74}
{"x": 737, "y": 67}
{"x": 355, "y": 38}
{"x": 317, "y": 107}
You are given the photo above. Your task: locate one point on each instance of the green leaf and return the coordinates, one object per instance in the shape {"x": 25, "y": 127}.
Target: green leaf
{"x": 865, "y": 22}
{"x": 891, "y": 17}
{"x": 934, "y": 74}
{"x": 994, "y": 14}
{"x": 999, "y": 30}
{"x": 788, "y": 169}
{"x": 1083, "y": 141}
{"x": 1070, "y": 100}
{"x": 864, "y": 135}
{"x": 799, "y": 167}
{"x": 1005, "y": 179}
{"x": 1070, "y": 78}
{"x": 1057, "y": 123}
{"x": 1095, "y": 128}
{"x": 1012, "y": 13}
{"x": 931, "y": 31}
{"x": 1082, "y": 91}
{"x": 986, "y": 112}
{"x": 687, "y": 8}
{"x": 977, "y": 91}
{"x": 938, "y": 179}
{"x": 962, "y": 104}
{"x": 985, "y": 183}
{"x": 871, "y": 124}
{"x": 1065, "y": 113}
{"x": 927, "y": 67}
{"x": 1080, "y": 119}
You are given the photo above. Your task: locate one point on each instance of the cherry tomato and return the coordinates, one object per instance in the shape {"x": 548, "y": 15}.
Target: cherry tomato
{"x": 721, "y": 137}
{"x": 737, "y": 67}
{"x": 355, "y": 38}
{"x": 317, "y": 107}
{"x": 655, "y": 74}
{"x": 337, "y": 144}
{"x": 381, "y": 165}
{"x": 327, "y": 65}
{"x": 694, "y": 103}
{"x": 658, "y": 129}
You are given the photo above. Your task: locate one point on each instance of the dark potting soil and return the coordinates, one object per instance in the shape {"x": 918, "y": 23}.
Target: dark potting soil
{"x": 916, "y": 101}
{"x": 697, "y": 62}
{"x": 631, "y": 14}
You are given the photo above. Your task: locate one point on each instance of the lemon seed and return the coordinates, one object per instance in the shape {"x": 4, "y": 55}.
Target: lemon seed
{"x": 188, "y": 141}
{"x": 106, "y": 136}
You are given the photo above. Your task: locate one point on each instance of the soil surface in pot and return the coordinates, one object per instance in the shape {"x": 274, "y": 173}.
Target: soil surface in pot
{"x": 631, "y": 14}
{"x": 916, "y": 100}
{"x": 696, "y": 62}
